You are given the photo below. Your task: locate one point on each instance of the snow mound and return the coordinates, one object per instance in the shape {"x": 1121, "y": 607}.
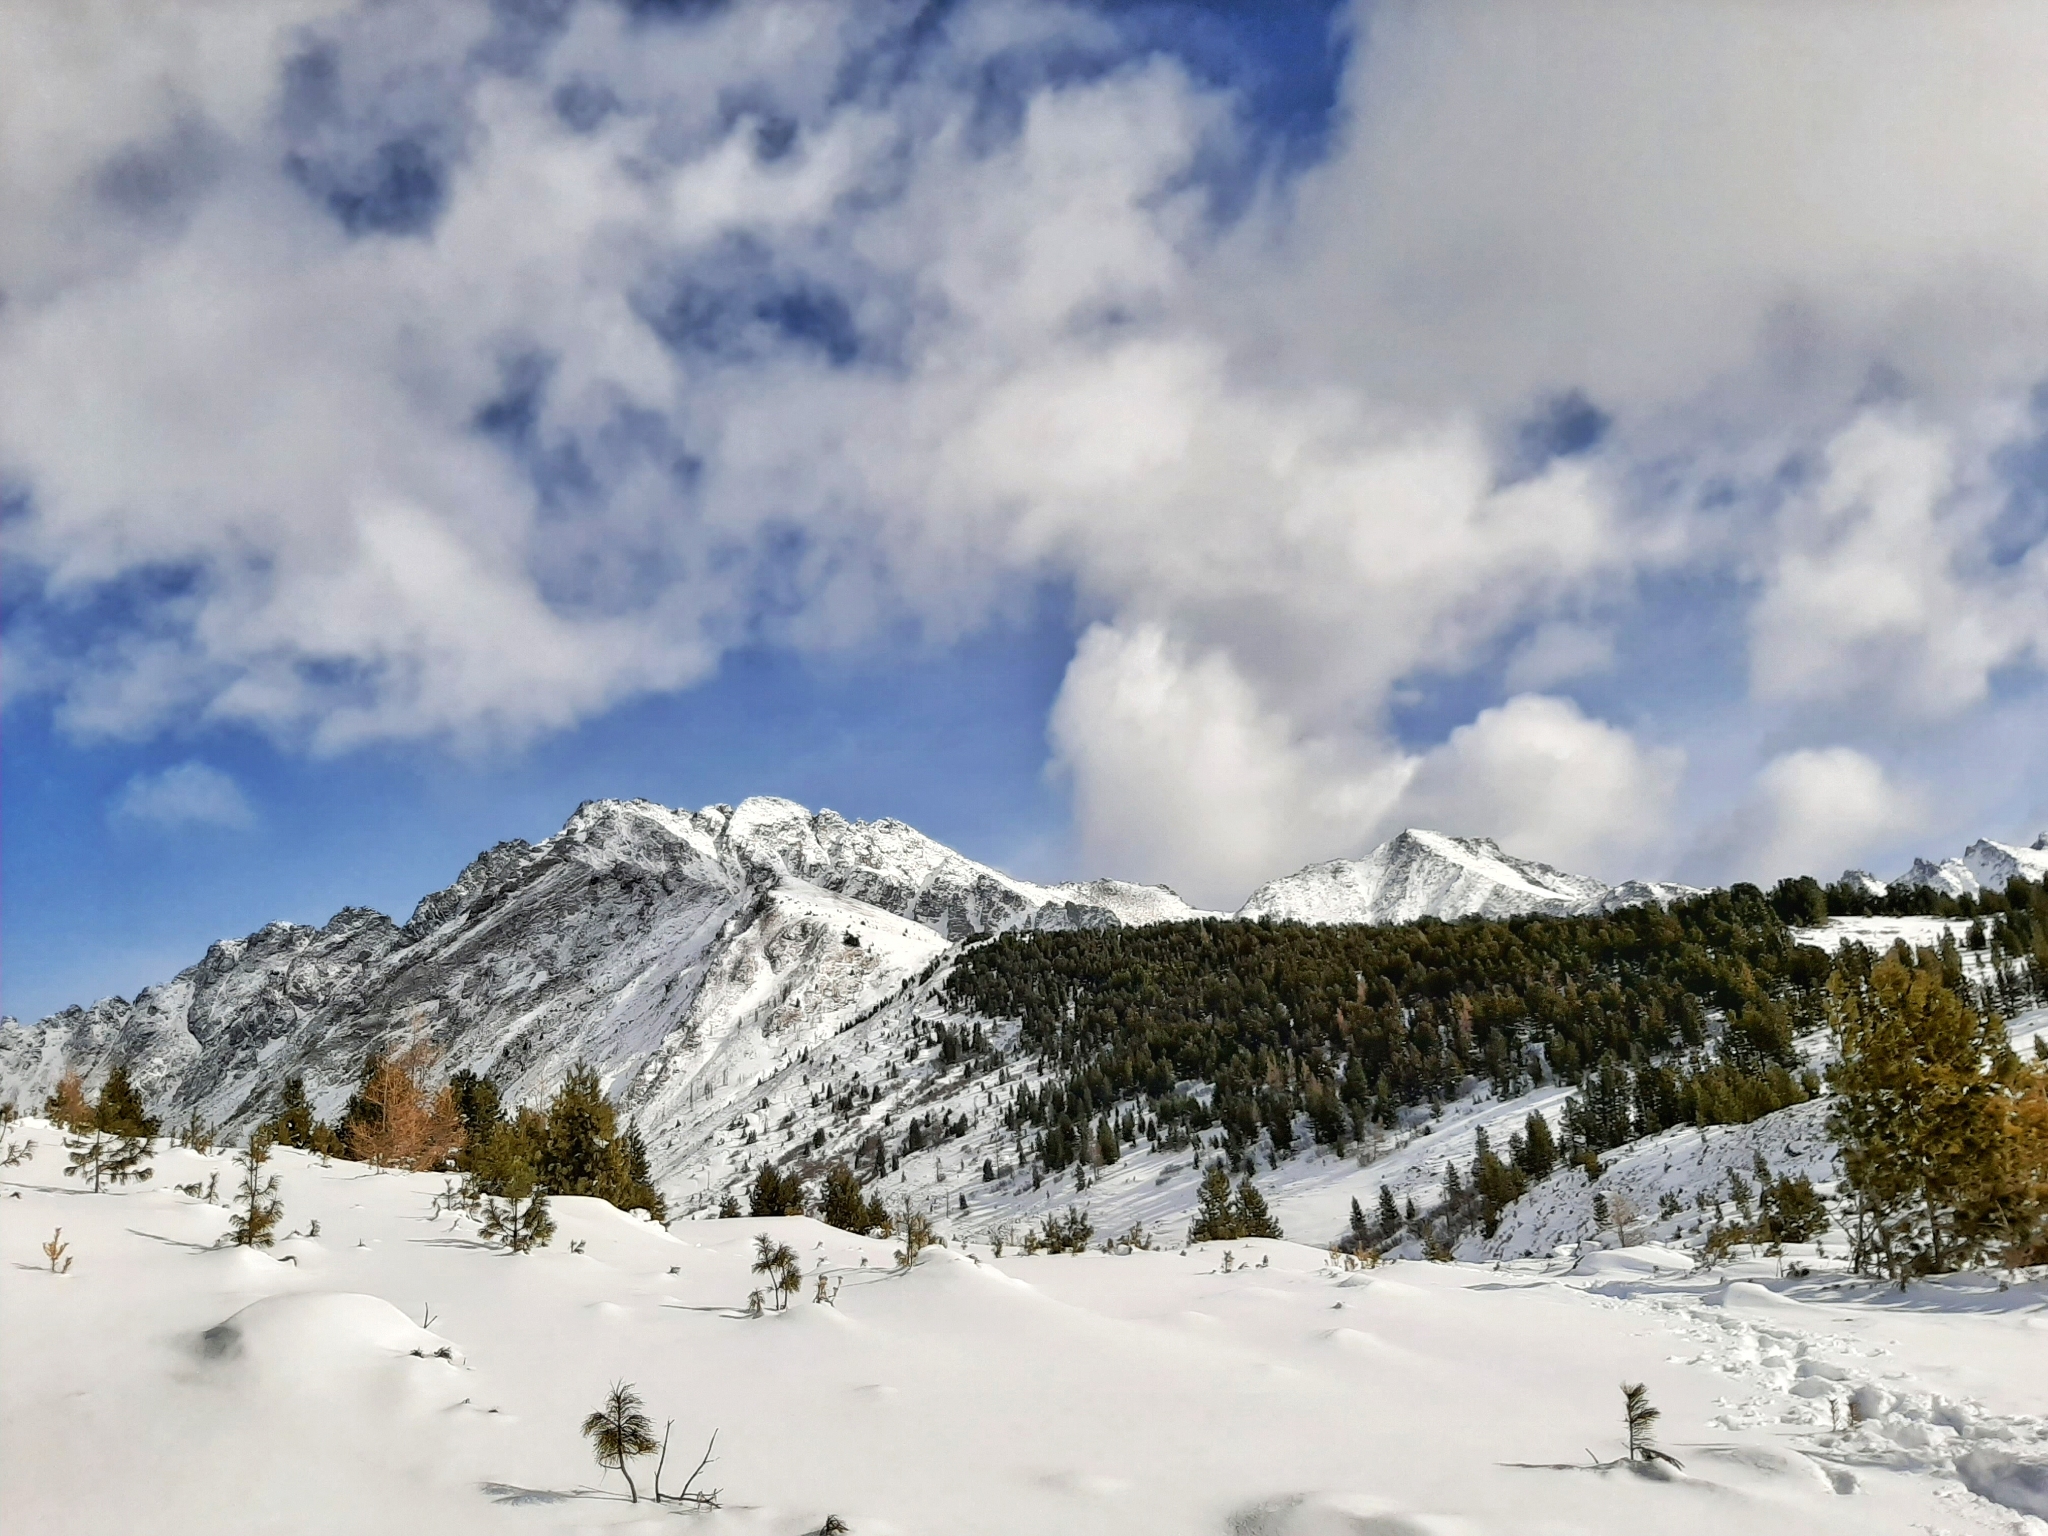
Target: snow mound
{"x": 310, "y": 1333}
{"x": 1341, "y": 1514}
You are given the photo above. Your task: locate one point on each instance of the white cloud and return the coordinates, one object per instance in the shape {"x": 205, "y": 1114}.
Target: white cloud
{"x": 1182, "y": 775}
{"x": 1815, "y": 811}
{"x": 1545, "y": 781}
{"x": 1557, "y": 652}
{"x": 1879, "y": 590}
{"x": 187, "y": 794}
{"x": 1275, "y": 465}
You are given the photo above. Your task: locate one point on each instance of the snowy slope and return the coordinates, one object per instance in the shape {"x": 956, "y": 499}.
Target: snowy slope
{"x": 391, "y": 1373}
{"x": 1427, "y": 874}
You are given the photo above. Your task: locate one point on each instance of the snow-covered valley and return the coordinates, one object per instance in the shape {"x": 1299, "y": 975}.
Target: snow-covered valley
{"x": 395, "y": 1372}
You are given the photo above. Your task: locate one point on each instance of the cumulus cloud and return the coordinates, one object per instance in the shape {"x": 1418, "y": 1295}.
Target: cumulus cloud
{"x": 1545, "y": 780}
{"x": 1882, "y": 590}
{"x": 1816, "y": 811}
{"x": 456, "y": 371}
{"x": 188, "y": 794}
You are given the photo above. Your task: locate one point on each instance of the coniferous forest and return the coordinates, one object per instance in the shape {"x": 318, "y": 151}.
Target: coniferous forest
{"x": 1660, "y": 1016}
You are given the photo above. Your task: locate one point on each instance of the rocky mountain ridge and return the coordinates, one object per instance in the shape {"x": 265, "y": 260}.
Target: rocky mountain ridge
{"x": 696, "y": 958}
{"x": 1984, "y": 866}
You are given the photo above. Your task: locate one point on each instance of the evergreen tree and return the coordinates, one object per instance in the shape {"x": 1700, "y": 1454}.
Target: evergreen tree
{"x": 585, "y": 1153}
{"x": 779, "y": 1263}
{"x": 1539, "y": 1148}
{"x": 1919, "y": 1114}
{"x": 1214, "y": 1220}
{"x": 478, "y": 1103}
{"x": 1252, "y": 1217}
{"x": 1389, "y": 1215}
{"x": 775, "y": 1194}
{"x": 842, "y": 1203}
{"x": 257, "y": 1210}
{"x": 619, "y": 1431}
{"x": 1361, "y": 1234}
{"x": 294, "y": 1123}
{"x": 107, "y": 1158}
{"x": 1640, "y": 1419}
{"x": 120, "y": 1108}
{"x": 505, "y": 1177}
{"x": 1105, "y": 1141}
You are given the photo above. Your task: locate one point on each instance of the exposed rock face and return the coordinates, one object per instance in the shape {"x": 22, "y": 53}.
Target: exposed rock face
{"x": 1427, "y": 874}
{"x": 683, "y": 954}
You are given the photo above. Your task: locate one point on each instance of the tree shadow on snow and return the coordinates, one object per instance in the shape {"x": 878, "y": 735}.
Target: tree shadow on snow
{"x": 512, "y": 1493}
{"x": 174, "y": 1242}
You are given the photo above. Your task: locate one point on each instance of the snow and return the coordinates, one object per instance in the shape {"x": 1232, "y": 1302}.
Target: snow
{"x": 394, "y": 1372}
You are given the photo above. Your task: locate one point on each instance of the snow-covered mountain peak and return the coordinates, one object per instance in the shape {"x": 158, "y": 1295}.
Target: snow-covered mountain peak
{"x": 1984, "y": 866}
{"x": 1421, "y": 873}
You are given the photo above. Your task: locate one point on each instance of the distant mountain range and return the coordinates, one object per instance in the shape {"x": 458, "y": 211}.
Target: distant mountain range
{"x": 1984, "y": 866}
{"x": 692, "y": 956}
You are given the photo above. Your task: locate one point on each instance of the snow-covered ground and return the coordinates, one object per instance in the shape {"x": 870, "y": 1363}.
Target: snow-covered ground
{"x": 171, "y": 1386}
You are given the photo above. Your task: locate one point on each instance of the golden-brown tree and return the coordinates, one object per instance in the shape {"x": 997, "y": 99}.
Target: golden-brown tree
{"x": 399, "y": 1122}
{"x": 68, "y": 1106}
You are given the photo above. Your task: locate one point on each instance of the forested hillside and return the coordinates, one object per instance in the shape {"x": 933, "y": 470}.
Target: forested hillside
{"x": 1663, "y": 1016}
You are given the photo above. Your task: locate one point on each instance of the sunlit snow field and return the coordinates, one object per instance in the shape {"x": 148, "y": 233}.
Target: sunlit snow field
{"x": 1139, "y": 1392}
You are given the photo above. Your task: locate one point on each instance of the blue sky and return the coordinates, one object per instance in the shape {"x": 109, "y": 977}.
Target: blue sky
{"x": 1171, "y": 440}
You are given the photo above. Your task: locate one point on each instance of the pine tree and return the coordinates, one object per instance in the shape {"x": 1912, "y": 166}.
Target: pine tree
{"x": 1214, "y": 1221}
{"x": 67, "y": 1106}
{"x": 1641, "y": 1419}
{"x": 1539, "y": 1148}
{"x": 106, "y": 1158}
{"x": 1252, "y": 1217}
{"x": 505, "y": 1177}
{"x": 779, "y": 1263}
{"x": 775, "y": 1194}
{"x": 1389, "y": 1214}
{"x": 120, "y": 1108}
{"x": 844, "y": 1205}
{"x": 1920, "y": 1114}
{"x": 257, "y": 1208}
{"x": 293, "y": 1124}
{"x": 1361, "y": 1234}
{"x": 621, "y": 1430}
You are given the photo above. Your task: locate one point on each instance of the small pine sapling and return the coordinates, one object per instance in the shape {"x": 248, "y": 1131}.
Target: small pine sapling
{"x": 1641, "y": 1420}
{"x": 54, "y": 1250}
{"x": 621, "y": 1430}
{"x": 779, "y": 1263}
{"x": 108, "y": 1158}
{"x": 257, "y": 1208}
{"x": 18, "y": 1152}
{"x": 918, "y": 1235}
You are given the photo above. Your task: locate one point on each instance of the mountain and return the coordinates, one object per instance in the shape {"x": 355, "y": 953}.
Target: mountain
{"x": 685, "y": 954}
{"x": 1984, "y": 866}
{"x": 1427, "y": 874}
